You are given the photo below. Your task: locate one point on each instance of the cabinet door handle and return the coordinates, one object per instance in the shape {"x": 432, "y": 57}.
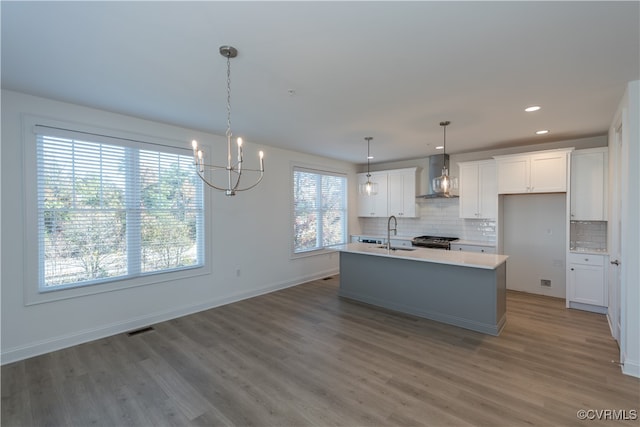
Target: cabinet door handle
{"x": 615, "y": 262}
{"x": 572, "y": 269}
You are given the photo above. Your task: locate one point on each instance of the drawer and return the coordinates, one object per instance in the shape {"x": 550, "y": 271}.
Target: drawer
{"x": 587, "y": 259}
{"x": 473, "y": 248}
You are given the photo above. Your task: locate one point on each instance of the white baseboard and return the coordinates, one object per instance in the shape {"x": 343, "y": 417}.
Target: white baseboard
{"x": 588, "y": 307}
{"x": 631, "y": 367}
{"x": 63, "y": 341}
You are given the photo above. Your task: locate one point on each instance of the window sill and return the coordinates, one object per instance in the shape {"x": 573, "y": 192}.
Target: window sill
{"x": 33, "y": 297}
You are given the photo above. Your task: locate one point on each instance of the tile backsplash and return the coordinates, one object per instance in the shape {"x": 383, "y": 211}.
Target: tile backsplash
{"x": 588, "y": 235}
{"x": 437, "y": 217}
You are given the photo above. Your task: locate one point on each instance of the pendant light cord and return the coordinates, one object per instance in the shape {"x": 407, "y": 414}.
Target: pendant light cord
{"x": 368, "y": 156}
{"x": 444, "y": 145}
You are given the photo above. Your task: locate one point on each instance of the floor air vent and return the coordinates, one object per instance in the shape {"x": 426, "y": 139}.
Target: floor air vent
{"x": 140, "y": 331}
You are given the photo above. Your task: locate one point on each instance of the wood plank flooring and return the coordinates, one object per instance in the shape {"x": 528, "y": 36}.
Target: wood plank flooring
{"x": 305, "y": 357}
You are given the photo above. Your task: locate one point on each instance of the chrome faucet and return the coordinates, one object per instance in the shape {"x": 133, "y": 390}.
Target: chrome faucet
{"x": 395, "y": 230}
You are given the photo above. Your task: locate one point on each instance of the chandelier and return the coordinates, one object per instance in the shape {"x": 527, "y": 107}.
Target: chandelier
{"x": 369, "y": 188}
{"x": 442, "y": 184}
{"x": 208, "y": 172}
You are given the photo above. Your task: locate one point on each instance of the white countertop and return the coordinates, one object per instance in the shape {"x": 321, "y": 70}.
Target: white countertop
{"x": 438, "y": 256}
{"x": 377, "y": 236}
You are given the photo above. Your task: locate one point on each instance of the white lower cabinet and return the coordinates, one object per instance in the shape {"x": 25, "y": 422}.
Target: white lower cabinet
{"x": 586, "y": 285}
{"x": 473, "y": 248}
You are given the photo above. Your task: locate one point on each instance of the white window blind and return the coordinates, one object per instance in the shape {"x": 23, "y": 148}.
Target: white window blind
{"x": 112, "y": 208}
{"x": 320, "y": 209}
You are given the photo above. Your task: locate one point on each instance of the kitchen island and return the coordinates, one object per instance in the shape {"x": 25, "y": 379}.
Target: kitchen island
{"x": 464, "y": 289}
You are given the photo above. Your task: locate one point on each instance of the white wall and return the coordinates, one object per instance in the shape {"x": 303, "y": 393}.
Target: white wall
{"x": 630, "y": 268}
{"x": 251, "y": 232}
{"x": 534, "y": 228}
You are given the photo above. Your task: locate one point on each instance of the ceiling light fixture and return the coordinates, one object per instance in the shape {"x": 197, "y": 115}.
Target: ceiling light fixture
{"x": 532, "y": 108}
{"x": 234, "y": 170}
{"x": 542, "y": 132}
{"x": 442, "y": 184}
{"x": 369, "y": 188}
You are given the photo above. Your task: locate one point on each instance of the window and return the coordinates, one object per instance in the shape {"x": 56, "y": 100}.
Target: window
{"x": 111, "y": 208}
{"x": 319, "y": 209}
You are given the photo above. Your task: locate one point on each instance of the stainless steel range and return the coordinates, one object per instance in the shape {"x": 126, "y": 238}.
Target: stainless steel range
{"x": 435, "y": 242}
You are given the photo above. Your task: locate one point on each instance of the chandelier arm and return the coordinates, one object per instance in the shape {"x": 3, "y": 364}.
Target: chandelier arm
{"x": 250, "y": 187}
{"x": 208, "y": 183}
{"x": 213, "y": 167}
{"x": 239, "y": 173}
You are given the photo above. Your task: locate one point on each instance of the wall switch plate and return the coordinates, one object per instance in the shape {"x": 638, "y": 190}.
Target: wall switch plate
{"x": 545, "y": 282}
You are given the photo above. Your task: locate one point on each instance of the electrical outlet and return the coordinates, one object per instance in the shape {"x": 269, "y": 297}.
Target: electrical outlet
{"x": 545, "y": 283}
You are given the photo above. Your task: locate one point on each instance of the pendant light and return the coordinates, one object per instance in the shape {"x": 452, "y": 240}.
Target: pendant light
{"x": 369, "y": 188}
{"x": 232, "y": 170}
{"x": 442, "y": 184}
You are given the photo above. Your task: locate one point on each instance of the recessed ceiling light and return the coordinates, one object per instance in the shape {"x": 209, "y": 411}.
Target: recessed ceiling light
{"x": 532, "y": 108}
{"x": 542, "y": 132}
{"x": 440, "y": 147}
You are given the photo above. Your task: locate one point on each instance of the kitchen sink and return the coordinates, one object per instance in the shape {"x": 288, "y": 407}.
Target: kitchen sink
{"x": 397, "y": 248}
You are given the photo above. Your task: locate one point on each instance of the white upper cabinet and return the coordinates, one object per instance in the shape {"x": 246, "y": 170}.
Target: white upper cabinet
{"x": 374, "y": 205}
{"x": 478, "y": 189}
{"x": 589, "y": 184}
{"x": 538, "y": 172}
{"x": 396, "y": 194}
{"x": 514, "y": 174}
{"x": 402, "y": 192}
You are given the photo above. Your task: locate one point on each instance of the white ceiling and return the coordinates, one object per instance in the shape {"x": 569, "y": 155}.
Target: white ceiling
{"x": 390, "y": 70}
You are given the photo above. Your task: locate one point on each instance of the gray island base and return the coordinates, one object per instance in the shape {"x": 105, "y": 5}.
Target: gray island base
{"x": 465, "y": 296}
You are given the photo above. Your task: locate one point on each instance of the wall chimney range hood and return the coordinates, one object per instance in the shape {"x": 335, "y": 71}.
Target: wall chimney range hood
{"x": 436, "y": 164}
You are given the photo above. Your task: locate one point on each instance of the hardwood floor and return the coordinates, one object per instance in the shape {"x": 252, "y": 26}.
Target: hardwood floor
{"x": 304, "y": 356}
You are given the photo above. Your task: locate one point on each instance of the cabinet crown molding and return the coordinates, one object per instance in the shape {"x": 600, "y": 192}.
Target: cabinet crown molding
{"x": 530, "y": 153}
